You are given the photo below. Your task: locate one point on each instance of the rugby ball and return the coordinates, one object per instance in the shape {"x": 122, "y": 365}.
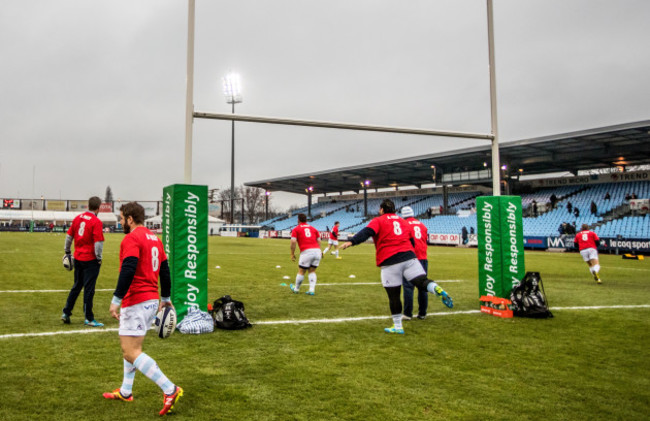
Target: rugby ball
{"x": 165, "y": 323}
{"x": 68, "y": 262}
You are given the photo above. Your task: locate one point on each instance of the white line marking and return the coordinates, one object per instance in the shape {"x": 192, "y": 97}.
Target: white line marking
{"x": 600, "y": 307}
{"x": 111, "y": 290}
{"x": 349, "y": 283}
{"x": 337, "y": 320}
{"x": 352, "y": 319}
{"x": 375, "y": 283}
{"x": 48, "y": 290}
{"x": 64, "y": 332}
{"x": 625, "y": 268}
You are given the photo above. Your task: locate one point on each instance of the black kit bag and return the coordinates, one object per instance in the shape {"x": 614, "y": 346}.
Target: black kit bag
{"x": 529, "y": 299}
{"x": 229, "y": 314}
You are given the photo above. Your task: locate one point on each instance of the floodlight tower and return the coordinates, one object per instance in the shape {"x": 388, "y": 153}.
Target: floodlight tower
{"x": 309, "y": 190}
{"x": 232, "y": 91}
{"x": 365, "y": 185}
{"x": 266, "y": 207}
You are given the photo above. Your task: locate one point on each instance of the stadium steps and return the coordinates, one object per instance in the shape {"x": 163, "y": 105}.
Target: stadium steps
{"x": 620, "y": 212}
{"x": 450, "y": 206}
{"x": 575, "y": 192}
{"x": 561, "y": 200}
{"x": 342, "y": 207}
{"x": 469, "y": 199}
{"x": 361, "y": 224}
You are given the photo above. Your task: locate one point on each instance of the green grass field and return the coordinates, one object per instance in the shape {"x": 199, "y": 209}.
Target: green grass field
{"x": 584, "y": 364}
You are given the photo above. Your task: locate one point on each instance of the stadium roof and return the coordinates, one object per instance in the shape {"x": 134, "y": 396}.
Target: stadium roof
{"x": 605, "y": 147}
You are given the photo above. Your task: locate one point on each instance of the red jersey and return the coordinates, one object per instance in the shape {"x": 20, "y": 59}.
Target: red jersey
{"x": 334, "y": 235}
{"x": 420, "y": 233}
{"x": 307, "y": 237}
{"x": 86, "y": 229}
{"x": 587, "y": 240}
{"x": 148, "y": 248}
{"x": 392, "y": 236}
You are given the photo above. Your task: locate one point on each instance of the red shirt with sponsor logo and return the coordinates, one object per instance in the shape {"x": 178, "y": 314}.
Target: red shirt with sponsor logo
{"x": 392, "y": 236}
{"x": 420, "y": 233}
{"x": 148, "y": 248}
{"x": 334, "y": 235}
{"x": 307, "y": 237}
{"x": 86, "y": 229}
{"x": 587, "y": 240}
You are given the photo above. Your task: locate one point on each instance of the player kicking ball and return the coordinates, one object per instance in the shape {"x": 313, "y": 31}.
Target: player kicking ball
{"x": 306, "y": 238}
{"x": 396, "y": 258}
{"x": 135, "y": 304}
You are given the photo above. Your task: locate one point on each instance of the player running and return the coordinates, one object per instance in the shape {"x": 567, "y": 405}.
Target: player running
{"x": 87, "y": 233}
{"x": 396, "y": 258}
{"x": 588, "y": 245}
{"x": 333, "y": 242}
{"x": 306, "y": 237}
{"x": 142, "y": 259}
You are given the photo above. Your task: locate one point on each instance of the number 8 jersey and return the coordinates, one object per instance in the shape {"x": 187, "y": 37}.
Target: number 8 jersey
{"x": 587, "y": 240}
{"x": 148, "y": 249}
{"x": 392, "y": 235}
{"x": 420, "y": 234}
{"x": 307, "y": 237}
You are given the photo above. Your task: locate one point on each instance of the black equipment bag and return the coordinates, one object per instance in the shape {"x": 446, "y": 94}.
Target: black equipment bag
{"x": 529, "y": 299}
{"x": 229, "y": 314}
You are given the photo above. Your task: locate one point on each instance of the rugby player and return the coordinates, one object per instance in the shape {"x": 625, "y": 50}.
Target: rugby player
{"x": 588, "y": 246}
{"x": 135, "y": 303}
{"x": 307, "y": 239}
{"x": 87, "y": 233}
{"x": 333, "y": 242}
{"x": 396, "y": 258}
{"x": 420, "y": 245}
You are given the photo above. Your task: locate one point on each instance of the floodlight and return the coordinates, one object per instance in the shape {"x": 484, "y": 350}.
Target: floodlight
{"x": 232, "y": 88}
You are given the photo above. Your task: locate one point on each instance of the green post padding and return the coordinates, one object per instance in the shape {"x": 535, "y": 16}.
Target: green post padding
{"x": 489, "y": 245}
{"x": 512, "y": 243}
{"x": 500, "y": 244}
{"x": 185, "y": 237}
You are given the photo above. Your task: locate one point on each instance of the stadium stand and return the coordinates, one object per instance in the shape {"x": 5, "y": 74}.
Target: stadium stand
{"x": 600, "y": 169}
{"x": 613, "y": 216}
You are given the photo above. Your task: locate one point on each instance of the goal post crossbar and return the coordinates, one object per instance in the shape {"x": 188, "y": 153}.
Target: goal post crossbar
{"x": 335, "y": 125}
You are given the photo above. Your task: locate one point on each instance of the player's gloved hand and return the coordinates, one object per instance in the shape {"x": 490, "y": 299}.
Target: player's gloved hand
{"x": 68, "y": 263}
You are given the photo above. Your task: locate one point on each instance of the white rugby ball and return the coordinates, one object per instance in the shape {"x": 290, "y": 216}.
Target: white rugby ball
{"x": 165, "y": 322}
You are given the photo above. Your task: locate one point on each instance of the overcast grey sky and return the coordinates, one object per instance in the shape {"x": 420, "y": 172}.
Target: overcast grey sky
{"x": 92, "y": 93}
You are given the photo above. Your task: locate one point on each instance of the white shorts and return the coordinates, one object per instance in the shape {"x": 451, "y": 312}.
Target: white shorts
{"x": 589, "y": 254}
{"x": 391, "y": 275}
{"x": 309, "y": 258}
{"x": 332, "y": 242}
{"x": 135, "y": 320}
